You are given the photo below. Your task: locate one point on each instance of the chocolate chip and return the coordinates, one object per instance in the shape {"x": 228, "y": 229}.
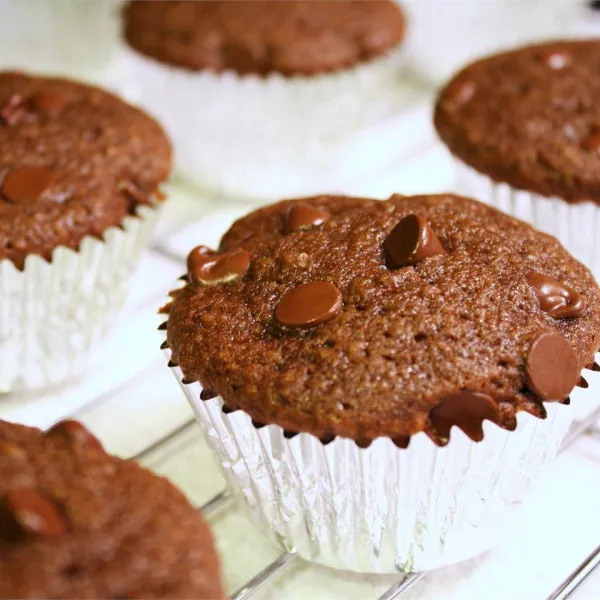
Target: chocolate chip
{"x": 303, "y": 216}
{"x": 248, "y": 56}
{"x": 133, "y": 193}
{"x": 26, "y": 184}
{"x": 51, "y": 104}
{"x": 76, "y": 434}
{"x": 551, "y": 368}
{"x": 555, "y": 298}
{"x": 466, "y": 410}
{"x": 309, "y": 305}
{"x": 12, "y": 451}
{"x": 13, "y": 111}
{"x": 210, "y": 268}
{"x": 460, "y": 91}
{"x": 591, "y": 143}
{"x": 411, "y": 241}
{"x": 34, "y": 513}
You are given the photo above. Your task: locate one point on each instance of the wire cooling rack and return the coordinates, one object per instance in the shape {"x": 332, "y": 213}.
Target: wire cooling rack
{"x": 131, "y": 401}
{"x": 406, "y": 582}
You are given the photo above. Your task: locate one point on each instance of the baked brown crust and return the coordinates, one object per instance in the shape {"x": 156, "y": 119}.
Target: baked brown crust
{"x": 529, "y": 118}
{"x": 292, "y": 37}
{"x": 96, "y": 160}
{"x": 113, "y": 529}
{"x": 405, "y": 338}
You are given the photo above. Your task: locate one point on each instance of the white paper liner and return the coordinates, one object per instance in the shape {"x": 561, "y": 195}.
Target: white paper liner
{"x": 383, "y": 509}
{"x": 52, "y": 313}
{"x": 576, "y": 226}
{"x": 265, "y": 138}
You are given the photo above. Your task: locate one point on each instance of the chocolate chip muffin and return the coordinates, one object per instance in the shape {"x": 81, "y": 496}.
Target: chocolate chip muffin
{"x": 74, "y": 161}
{"x": 383, "y": 380}
{"x": 360, "y": 318}
{"x": 273, "y": 80}
{"x": 80, "y": 172}
{"x": 77, "y": 523}
{"x": 292, "y": 38}
{"x": 525, "y": 128}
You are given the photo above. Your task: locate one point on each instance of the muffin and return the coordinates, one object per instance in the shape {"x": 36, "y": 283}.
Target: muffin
{"x": 383, "y": 380}
{"x": 79, "y": 189}
{"x": 78, "y": 523}
{"x": 524, "y": 128}
{"x": 261, "y": 98}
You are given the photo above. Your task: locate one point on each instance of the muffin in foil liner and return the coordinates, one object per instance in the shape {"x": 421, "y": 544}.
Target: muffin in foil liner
{"x": 268, "y": 137}
{"x": 575, "y": 225}
{"x": 52, "y": 313}
{"x": 382, "y": 508}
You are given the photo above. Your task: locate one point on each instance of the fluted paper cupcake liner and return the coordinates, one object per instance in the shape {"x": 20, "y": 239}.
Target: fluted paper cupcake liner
{"x": 575, "y": 225}
{"x": 268, "y": 137}
{"x": 383, "y": 508}
{"x": 52, "y": 313}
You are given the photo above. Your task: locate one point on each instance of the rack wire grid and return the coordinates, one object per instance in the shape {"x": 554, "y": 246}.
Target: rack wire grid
{"x": 131, "y": 401}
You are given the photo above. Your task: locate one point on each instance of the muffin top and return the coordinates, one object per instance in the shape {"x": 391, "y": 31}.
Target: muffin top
{"x": 77, "y": 523}
{"x": 362, "y": 318}
{"x": 529, "y": 118}
{"x": 250, "y": 36}
{"x": 74, "y": 160}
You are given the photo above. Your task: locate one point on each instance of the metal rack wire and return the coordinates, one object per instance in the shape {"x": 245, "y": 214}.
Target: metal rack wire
{"x": 408, "y": 581}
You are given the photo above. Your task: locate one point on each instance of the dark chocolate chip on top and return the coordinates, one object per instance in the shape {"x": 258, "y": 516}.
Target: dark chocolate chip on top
{"x": 211, "y": 268}
{"x": 34, "y": 513}
{"x": 555, "y": 298}
{"x": 411, "y": 241}
{"x": 76, "y": 434}
{"x": 26, "y": 184}
{"x": 304, "y": 216}
{"x": 309, "y": 305}
{"x": 51, "y": 104}
{"x": 552, "y": 370}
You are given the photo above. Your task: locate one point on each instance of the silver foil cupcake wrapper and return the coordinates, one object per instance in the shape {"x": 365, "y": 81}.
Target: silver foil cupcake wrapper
{"x": 383, "y": 508}
{"x": 576, "y": 226}
{"x": 52, "y": 313}
{"x": 269, "y": 137}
